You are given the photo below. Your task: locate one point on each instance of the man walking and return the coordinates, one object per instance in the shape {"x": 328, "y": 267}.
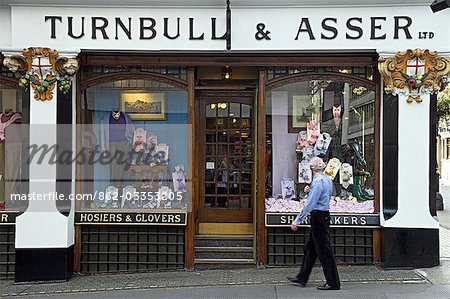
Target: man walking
{"x": 319, "y": 243}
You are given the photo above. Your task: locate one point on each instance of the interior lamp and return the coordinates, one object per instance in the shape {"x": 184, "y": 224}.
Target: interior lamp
{"x": 227, "y": 72}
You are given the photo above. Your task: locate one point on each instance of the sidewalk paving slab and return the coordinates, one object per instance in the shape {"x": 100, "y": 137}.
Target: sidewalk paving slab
{"x": 206, "y": 278}
{"x": 279, "y": 291}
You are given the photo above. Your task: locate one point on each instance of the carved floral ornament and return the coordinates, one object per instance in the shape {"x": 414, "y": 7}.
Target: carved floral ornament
{"x": 413, "y": 73}
{"x": 42, "y": 68}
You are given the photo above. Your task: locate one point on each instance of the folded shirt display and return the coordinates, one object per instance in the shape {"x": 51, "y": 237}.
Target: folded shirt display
{"x": 336, "y": 205}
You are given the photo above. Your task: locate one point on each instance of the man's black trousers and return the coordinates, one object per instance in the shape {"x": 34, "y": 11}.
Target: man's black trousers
{"x": 319, "y": 244}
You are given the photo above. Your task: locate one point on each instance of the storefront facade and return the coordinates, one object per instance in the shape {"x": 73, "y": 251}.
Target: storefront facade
{"x": 218, "y": 112}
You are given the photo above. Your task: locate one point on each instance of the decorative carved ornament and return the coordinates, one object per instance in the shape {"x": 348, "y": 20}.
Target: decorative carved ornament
{"x": 413, "y": 73}
{"x": 42, "y": 68}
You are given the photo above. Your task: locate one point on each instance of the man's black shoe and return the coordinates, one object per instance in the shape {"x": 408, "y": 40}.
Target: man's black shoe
{"x": 296, "y": 280}
{"x": 327, "y": 287}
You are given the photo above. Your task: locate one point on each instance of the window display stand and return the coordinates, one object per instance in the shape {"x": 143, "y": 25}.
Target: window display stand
{"x": 154, "y": 171}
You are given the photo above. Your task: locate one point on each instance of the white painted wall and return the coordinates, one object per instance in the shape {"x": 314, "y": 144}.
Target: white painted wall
{"x": 5, "y": 26}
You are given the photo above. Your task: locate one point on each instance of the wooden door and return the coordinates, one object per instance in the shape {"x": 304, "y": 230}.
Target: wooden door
{"x": 227, "y": 157}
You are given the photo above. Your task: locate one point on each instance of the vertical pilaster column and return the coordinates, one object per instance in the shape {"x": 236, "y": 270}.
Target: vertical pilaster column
{"x": 44, "y": 236}
{"x": 411, "y": 234}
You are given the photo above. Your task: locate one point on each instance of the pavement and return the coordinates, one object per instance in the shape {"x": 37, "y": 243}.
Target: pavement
{"x": 90, "y": 284}
{"x": 444, "y": 218}
{"x": 286, "y": 291}
{"x": 357, "y": 282}
{"x": 444, "y": 189}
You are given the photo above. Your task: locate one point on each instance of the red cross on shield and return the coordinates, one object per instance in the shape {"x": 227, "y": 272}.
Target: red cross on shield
{"x": 415, "y": 67}
{"x": 41, "y": 66}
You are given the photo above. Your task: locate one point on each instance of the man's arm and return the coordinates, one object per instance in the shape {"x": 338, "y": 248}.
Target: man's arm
{"x": 313, "y": 198}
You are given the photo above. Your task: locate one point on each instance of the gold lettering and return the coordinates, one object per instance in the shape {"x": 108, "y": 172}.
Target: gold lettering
{"x": 363, "y": 221}
{"x": 4, "y": 218}
{"x": 83, "y": 217}
{"x": 178, "y": 218}
{"x": 119, "y": 218}
{"x": 164, "y": 218}
{"x": 171, "y": 218}
{"x": 138, "y": 217}
{"x": 104, "y": 217}
{"x": 90, "y": 217}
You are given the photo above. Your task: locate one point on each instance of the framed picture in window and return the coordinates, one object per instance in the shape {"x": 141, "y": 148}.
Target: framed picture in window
{"x": 299, "y": 113}
{"x": 144, "y": 105}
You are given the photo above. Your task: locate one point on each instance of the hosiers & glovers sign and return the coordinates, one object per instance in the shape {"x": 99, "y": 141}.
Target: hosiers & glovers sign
{"x": 336, "y": 220}
{"x": 131, "y": 218}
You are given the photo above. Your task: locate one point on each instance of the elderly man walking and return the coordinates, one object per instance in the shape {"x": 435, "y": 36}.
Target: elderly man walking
{"x": 319, "y": 243}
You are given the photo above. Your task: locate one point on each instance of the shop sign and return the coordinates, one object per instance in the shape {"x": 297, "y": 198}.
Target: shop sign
{"x": 8, "y": 217}
{"x": 131, "y": 218}
{"x": 248, "y": 29}
{"x": 337, "y": 220}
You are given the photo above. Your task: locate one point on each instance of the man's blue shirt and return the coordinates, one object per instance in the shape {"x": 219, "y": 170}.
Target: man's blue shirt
{"x": 318, "y": 197}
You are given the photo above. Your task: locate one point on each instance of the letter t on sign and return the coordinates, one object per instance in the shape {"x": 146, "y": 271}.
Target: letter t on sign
{"x": 53, "y": 24}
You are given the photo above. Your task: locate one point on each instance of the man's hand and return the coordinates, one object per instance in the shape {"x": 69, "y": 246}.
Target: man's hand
{"x": 307, "y": 189}
{"x": 294, "y": 226}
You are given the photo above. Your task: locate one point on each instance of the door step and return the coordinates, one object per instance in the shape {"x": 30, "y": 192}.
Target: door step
{"x": 223, "y": 251}
{"x": 225, "y": 261}
{"x": 223, "y": 264}
{"x": 225, "y": 228}
{"x": 218, "y": 236}
{"x": 223, "y": 241}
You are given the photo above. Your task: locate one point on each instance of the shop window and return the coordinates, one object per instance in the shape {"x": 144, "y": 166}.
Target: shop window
{"x": 330, "y": 119}
{"x": 141, "y": 129}
{"x": 14, "y": 106}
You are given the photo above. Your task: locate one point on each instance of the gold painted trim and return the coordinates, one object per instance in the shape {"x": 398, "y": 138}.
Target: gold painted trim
{"x": 226, "y": 228}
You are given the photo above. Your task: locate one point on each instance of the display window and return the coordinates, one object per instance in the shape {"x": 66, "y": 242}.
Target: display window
{"x": 327, "y": 118}
{"x": 137, "y": 133}
{"x": 13, "y": 111}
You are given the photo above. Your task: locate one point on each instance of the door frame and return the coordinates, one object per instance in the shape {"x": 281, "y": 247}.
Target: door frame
{"x": 203, "y": 97}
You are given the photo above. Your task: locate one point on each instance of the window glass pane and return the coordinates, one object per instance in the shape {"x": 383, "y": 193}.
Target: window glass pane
{"x": 13, "y": 139}
{"x": 235, "y": 110}
{"x": 325, "y": 118}
{"x": 143, "y": 126}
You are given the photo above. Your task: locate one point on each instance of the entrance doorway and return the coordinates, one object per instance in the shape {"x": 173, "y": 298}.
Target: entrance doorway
{"x": 227, "y": 157}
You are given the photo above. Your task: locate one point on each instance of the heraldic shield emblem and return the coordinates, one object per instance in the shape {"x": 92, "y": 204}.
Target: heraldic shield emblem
{"x": 42, "y": 69}
{"x": 413, "y": 73}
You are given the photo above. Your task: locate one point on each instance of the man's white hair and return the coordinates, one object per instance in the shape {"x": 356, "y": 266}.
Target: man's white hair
{"x": 317, "y": 163}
